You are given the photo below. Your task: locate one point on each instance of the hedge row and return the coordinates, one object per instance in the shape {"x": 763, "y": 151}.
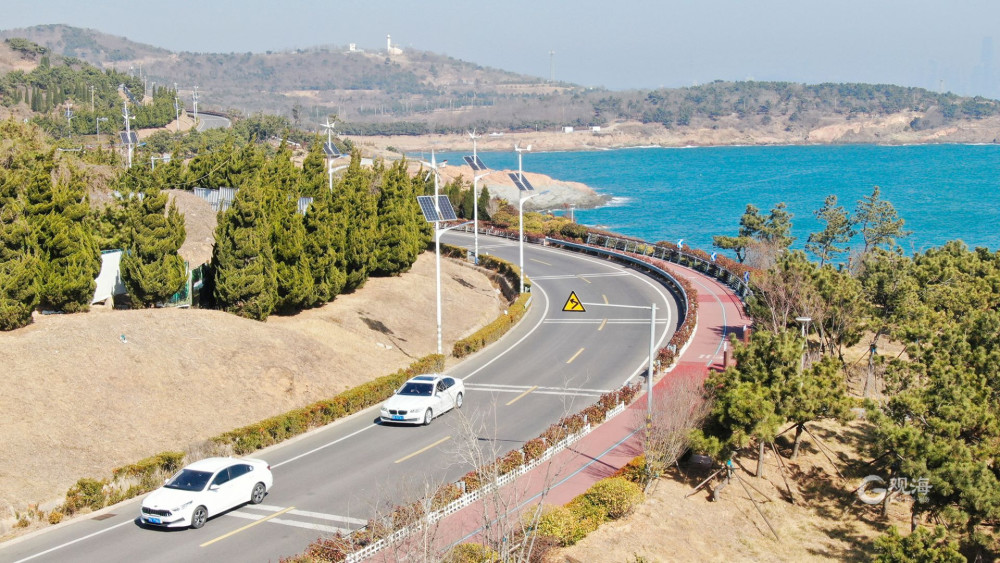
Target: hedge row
{"x": 278, "y": 428}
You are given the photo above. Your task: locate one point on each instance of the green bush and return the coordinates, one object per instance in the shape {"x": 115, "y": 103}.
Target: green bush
{"x": 471, "y": 553}
{"x": 561, "y": 523}
{"x": 589, "y": 516}
{"x": 617, "y": 496}
{"x": 165, "y": 461}
{"x": 86, "y": 493}
{"x": 635, "y": 471}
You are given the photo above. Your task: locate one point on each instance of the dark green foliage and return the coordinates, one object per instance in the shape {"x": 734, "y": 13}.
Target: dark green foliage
{"x": 399, "y": 240}
{"x": 245, "y": 279}
{"x": 766, "y": 388}
{"x": 877, "y": 222}
{"x": 771, "y": 231}
{"x": 325, "y": 236}
{"x": 921, "y": 546}
{"x": 838, "y": 231}
{"x": 151, "y": 269}
{"x": 288, "y": 234}
{"x": 68, "y": 254}
{"x": 355, "y": 206}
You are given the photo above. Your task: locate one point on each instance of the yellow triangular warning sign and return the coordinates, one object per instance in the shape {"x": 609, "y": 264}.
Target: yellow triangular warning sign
{"x": 573, "y": 304}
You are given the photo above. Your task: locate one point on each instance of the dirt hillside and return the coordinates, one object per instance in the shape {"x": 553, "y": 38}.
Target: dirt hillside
{"x": 85, "y": 393}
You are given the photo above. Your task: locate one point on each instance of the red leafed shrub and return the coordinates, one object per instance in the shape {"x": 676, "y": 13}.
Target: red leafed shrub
{"x": 533, "y": 449}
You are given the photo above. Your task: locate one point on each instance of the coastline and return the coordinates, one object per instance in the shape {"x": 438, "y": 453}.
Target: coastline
{"x": 890, "y": 130}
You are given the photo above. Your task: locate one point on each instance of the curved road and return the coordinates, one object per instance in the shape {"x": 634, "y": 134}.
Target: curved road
{"x": 334, "y": 478}
{"x": 206, "y": 122}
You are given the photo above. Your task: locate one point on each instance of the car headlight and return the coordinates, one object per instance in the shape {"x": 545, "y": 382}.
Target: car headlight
{"x": 385, "y": 410}
{"x": 182, "y": 507}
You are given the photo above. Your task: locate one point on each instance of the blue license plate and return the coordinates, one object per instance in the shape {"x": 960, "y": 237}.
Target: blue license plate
{"x": 155, "y": 521}
{"x": 397, "y": 417}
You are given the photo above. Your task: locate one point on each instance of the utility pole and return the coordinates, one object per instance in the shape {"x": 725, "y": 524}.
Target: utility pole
{"x": 552, "y": 66}
{"x": 91, "y": 99}
{"x": 195, "y": 98}
{"x": 128, "y": 131}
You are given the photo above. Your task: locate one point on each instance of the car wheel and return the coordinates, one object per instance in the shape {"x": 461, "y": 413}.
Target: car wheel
{"x": 458, "y": 401}
{"x": 199, "y": 517}
{"x": 428, "y": 417}
{"x": 257, "y": 496}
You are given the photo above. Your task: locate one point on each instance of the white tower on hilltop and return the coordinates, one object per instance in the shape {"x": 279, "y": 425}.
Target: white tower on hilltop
{"x": 389, "y": 49}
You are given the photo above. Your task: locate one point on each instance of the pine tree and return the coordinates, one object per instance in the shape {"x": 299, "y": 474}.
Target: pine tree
{"x": 279, "y": 181}
{"x": 838, "y": 231}
{"x": 314, "y": 171}
{"x": 151, "y": 269}
{"x": 18, "y": 268}
{"x": 400, "y": 239}
{"x": 356, "y": 209}
{"x": 70, "y": 259}
{"x": 244, "y": 269}
{"x": 325, "y": 236}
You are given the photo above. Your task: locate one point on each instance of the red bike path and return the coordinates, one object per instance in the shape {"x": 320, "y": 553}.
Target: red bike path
{"x": 614, "y": 443}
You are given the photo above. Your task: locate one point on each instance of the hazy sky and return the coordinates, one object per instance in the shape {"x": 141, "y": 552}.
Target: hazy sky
{"x": 615, "y": 44}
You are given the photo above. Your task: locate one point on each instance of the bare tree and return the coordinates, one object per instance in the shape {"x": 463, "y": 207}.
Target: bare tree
{"x": 680, "y": 407}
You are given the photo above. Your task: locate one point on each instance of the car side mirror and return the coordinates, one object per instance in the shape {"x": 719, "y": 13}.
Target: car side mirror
{"x": 213, "y": 487}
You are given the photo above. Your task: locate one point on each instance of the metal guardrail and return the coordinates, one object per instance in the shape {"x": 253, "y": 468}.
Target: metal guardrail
{"x": 676, "y": 256}
{"x": 670, "y": 279}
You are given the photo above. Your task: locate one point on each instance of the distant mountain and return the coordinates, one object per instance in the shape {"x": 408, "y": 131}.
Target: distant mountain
{"x": 417, "y": 92}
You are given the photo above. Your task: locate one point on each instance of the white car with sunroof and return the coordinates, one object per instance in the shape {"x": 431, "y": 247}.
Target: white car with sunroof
{"x": 423, "y": 398}
{"x": 206, "y": 488}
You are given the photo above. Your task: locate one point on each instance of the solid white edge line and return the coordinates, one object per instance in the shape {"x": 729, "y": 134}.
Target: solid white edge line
{"x": 69, "y": 543}
{"x": 327, "y": 445}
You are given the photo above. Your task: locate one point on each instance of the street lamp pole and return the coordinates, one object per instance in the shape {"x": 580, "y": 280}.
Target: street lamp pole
{"x": 520, "y": 214}
{"x": 99, "y": 120}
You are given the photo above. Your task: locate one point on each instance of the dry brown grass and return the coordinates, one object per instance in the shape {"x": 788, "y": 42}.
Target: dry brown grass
{"x": 827, "y": 522}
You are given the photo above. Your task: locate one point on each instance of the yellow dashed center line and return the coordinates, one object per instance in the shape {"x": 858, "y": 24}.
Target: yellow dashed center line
{"x": 420, "y": 451}
{"x": 247, "y": 527}
{"x": 519, "y": 397}
{"x": 578, "y": 352}
{"x": 605, "y": 299}
{"x": 604, "y": 322}
{"x": 584, "y": 279}
{"x": 540, "y": 262}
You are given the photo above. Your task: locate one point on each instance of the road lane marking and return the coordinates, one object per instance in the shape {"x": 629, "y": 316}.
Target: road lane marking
{"x": 327, "y": 445}
{"x": 422, "y": 450}
{"x": 296, "y": 523}
{"x": 521, "y": 396}
{"x": 308, "y": 514}
{"x": 69, "y": 543}
{"x": 584, "y": 279}
{"x": 539, "y": 261}
{"x": 604, "y": 322}
{"x": 247, "y": 527}
{"x": 605, "y": 298}
{"x": 578, "y": 352}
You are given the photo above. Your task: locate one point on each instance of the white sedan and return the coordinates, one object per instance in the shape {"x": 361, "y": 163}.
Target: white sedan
{"x": 422, "y": 398}
{"x": 204, "y": 489}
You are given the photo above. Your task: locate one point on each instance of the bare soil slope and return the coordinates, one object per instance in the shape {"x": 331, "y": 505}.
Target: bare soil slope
{"x": 85, "y": 393}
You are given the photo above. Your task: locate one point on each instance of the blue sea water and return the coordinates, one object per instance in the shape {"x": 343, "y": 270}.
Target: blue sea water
{"x": 943, "y": 192}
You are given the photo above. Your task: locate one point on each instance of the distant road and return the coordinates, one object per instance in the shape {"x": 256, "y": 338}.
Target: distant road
{"x": 211, "y": 121}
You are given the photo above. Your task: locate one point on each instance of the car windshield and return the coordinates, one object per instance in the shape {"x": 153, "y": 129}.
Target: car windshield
{"x": 417, "y": 389}
{"x": 188, "y": 480}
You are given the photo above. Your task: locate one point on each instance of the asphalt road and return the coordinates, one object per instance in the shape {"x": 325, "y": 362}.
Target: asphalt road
{"x": 206, "y": 122}
{"x": 553, "y": 363}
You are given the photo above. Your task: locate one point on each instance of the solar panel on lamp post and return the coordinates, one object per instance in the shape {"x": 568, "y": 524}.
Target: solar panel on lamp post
{"x": 477, "y": 166}
{"x": 436, "y": 210}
